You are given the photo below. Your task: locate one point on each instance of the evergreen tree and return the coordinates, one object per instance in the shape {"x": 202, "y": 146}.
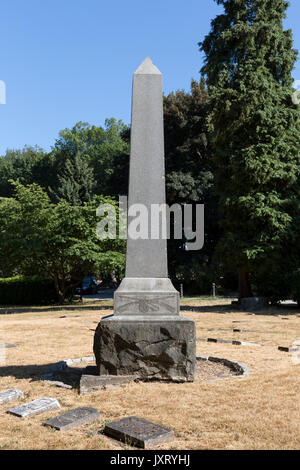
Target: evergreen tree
{"x": 77, "y": 183}
{"x": 189, "y": 180}
{"x": 99, "y": 145}
{"x": 255, "y": 130}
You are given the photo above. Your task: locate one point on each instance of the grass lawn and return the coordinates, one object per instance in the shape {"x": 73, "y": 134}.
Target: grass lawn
{"x": 260, "y": 411}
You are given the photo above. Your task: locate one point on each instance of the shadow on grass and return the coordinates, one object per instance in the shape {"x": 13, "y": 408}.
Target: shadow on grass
{"x": 208, "y": 308}
{"x": 75, "y": 308}
{"x": 35, "y": 373}
{"x": 289, "y": 309}
{"x": 292, "y": 310}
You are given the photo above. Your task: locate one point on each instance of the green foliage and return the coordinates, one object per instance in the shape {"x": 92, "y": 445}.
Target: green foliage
{"x": 195, "y": 277}
{"x": 255, "y": 131}
{"x": 55, "y": 240}
{"x": 77, "y": 183}
{"x": 85, "y": 161}
{"x": 189, "y": 177}
{"x": 22, "y": 290}
{"x": 30, "y": 165}
{"x": 98, "y": 147}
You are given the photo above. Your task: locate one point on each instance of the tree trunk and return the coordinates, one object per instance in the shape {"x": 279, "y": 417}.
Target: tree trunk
{"x": 60, "y": 292}
{"x": 244, "y": 283}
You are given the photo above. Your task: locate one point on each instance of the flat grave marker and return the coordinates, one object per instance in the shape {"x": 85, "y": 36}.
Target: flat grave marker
{"x": 234, "y": 342}
{"x": 238, "y": 330}
{"x": 73, "y": 418}
{"x": 10, "y": 395}
{"x": 288, "y": 349}
{"x": 35, "y": 407}
{"x": 139, "y": 432}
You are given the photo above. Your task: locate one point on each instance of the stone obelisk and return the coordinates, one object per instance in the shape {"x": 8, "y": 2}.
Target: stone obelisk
{"x": 146, "y": 336}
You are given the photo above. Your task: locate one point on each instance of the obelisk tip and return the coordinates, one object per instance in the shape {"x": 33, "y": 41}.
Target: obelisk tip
{"x": 147, "y": 68}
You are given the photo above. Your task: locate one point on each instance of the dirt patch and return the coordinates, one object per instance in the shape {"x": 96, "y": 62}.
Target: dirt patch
{"x": 208, "y": 370}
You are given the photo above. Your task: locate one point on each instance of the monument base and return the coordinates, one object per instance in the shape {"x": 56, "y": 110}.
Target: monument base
{"x": 159, "y": 348}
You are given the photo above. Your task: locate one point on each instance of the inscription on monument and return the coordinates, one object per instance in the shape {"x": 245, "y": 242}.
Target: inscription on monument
{"x": 159, "y": 304}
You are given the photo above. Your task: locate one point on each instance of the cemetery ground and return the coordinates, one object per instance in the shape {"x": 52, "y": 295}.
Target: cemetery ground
{"x": 258, "y": 411}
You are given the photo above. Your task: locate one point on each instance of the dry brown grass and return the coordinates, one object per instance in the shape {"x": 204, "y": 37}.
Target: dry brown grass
{"x": 260, "y": 411}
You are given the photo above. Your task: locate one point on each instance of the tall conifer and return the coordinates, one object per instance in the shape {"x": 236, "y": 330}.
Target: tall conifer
{"x": 255, "y": 129}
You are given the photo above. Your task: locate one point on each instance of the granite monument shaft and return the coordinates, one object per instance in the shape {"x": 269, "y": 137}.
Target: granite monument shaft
{"x": 146, "y": 336}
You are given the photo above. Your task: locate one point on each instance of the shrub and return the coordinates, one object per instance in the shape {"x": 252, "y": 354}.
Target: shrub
{"x": 23, "y": 290}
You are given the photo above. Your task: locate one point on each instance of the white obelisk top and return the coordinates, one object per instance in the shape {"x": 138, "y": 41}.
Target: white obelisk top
{"x": 147, "y": 68}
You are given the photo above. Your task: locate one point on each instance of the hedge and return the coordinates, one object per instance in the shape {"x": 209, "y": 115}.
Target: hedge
{"x": 22, "y": 290}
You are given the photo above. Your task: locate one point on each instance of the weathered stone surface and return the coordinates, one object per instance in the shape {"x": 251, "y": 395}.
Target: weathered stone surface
{"x": 73, "y": 418}
{"x": 159, "y": 348}
{"x": 10, "y": 395}
{"x": 35, "y": 407}
{"x": 146, "y": 337}
{"x": 94, "y": 383}
{"x": 139, "y": 432}
{"x": 146, "y": 258}
{"x": 146, "y": 288}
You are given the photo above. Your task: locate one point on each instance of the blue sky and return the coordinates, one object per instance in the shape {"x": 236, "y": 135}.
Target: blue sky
{"x": 65, "y": 61}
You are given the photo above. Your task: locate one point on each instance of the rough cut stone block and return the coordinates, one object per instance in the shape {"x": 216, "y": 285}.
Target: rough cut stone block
{"x": 73, "y": 418}
{"x": 161, "y": 348}
{"x": 10, "y": 395}
{"x": 138, "y": 432}
{"x": 35, "y": 407}
{"x": 94, "y": 383}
